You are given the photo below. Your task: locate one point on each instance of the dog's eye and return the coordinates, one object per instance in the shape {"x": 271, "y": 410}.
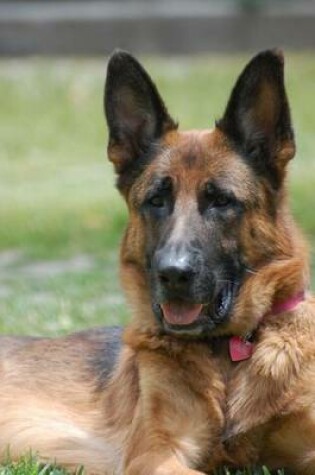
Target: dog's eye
{"x": 216, "y": 198}
{"x": 220, "y": 201}
{"x": 157, "y": 201}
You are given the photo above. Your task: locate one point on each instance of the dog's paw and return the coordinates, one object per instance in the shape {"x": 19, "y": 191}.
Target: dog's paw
{"x": 278, "y": 358}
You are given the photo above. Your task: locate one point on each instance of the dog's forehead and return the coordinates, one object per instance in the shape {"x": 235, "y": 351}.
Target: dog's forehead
{"x": 197, "y": 156}
{"x": 196, "y": 148}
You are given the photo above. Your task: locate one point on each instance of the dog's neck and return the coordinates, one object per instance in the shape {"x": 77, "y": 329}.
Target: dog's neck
{"x": 276, "y": 282}
{"x": 241, "y": 348}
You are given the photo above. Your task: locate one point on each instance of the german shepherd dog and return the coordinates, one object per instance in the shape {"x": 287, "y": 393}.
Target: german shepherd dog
{"x": 216, "y": 366}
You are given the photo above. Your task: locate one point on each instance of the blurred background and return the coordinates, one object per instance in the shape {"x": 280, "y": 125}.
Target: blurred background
{"x": 52, "y": 27}
{"x": 61, "y": 218}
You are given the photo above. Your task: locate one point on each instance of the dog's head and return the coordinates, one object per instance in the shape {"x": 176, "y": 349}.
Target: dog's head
{"x": 207, "y": 208}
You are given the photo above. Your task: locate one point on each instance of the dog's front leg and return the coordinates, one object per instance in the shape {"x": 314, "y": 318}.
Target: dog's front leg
{"x": 156, "y": 446}
{"x": 174, "y": 428}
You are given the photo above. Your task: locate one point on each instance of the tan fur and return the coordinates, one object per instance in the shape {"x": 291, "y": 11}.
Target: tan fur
{"x": 271, "y": 398}
{"x": 50, "y": 406}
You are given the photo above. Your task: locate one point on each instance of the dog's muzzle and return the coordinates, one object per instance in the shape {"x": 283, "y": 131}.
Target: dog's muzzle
{"x": 187, "y": 298}
{"x": 190, "y": 319}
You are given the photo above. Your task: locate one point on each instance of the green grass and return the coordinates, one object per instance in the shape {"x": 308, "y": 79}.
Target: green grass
{"x": 28, "y": 465}
{"x": 61, "y": 218}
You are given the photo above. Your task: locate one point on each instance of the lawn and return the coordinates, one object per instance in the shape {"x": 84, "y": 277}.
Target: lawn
{"x": 29, "y": 466}
{"x": 61, "y": 218}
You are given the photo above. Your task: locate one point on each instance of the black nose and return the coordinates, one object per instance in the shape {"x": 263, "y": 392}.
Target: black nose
{"x": 174, "y": 269}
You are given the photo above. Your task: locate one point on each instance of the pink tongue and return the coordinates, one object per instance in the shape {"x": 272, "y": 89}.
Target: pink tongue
{"x": 181, "y": 313}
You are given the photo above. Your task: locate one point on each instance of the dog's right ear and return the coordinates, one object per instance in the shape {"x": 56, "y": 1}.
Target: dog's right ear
{"x": 135, "y": 113}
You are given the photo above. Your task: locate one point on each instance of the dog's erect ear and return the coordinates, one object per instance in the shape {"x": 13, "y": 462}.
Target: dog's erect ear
{"x": 135, "y": 113}
{"x": 257, "y": 116}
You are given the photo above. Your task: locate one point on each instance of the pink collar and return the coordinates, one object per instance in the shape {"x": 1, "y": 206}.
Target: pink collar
{"x": 241, "y": 348}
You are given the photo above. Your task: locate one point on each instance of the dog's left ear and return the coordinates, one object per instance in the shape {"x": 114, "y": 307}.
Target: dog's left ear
{"x": 257, "y": 116}
{"x": 135, "y": 113}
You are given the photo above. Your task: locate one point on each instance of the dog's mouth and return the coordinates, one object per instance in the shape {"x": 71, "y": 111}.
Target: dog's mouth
{"x": 181, "y": 313}
{"x": 196, "y": 319}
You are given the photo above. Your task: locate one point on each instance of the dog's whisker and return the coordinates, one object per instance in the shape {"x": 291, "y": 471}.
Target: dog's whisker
{"x": 251, "y": 271}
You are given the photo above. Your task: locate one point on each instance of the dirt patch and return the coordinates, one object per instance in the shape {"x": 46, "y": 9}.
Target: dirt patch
{"x": 40, "y": 269}
{"x": 10, "y": 257}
